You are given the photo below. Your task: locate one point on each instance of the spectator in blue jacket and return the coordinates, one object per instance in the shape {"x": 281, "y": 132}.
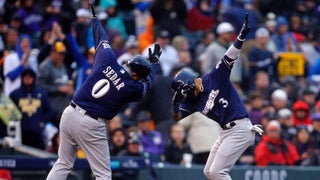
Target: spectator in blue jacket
{"x": 35, "y": 107}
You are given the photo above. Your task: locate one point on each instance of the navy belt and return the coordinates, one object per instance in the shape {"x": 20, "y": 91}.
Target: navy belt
{"x": 72, "y": 104}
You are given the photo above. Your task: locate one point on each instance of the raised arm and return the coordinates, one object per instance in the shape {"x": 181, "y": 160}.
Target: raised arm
{"x": 234, "y": 50}
{"x": 99, "y": 32}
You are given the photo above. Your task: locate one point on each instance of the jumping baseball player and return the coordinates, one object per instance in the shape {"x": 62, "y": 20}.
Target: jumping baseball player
{"x": 215, "y": 96}
{"x": 102, "y": 95}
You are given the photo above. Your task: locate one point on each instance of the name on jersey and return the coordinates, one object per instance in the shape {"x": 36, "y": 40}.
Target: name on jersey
{"x": 210, "y": 102}
{"x": 113, "y": 77}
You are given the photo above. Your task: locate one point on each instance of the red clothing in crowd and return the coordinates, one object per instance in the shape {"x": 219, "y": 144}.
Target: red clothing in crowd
{"x": 197, "y": 21}
{"x": 275, "y": 152}
{"x": 301, "y": 105}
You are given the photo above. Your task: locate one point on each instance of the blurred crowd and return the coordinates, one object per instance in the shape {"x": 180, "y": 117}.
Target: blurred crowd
{"x": 47, "y": 50}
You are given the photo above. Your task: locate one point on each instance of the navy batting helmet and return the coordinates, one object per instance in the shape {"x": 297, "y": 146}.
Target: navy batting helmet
{"x": 184, "y": 76}
{"x": 141, "y": 66}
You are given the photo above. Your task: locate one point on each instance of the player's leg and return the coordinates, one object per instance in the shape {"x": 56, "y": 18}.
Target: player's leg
{"x": 67, "y": 147}
{"x": 211, "y": 157}
{"x": 92, "y": 139}
{"x": 234, "y": 142}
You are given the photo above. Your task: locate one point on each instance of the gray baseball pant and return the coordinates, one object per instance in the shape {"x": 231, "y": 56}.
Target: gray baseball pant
{"x": 227, "y": 149}
{"x": 80, "y": 130}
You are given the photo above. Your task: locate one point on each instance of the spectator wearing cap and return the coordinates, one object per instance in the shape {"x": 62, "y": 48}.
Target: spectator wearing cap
{"x": 169, "y": 57}
{"x": 279, "y": 99}
{"x": 152, "y": 141}
{"x": 273, "y": 149}
{"x": 260, "y": 58}
{"x": 283, "y": 38}
{"x": 216, "y": 49}
{"x": 15, "y": 62}
{"x": 301, "y": 113}
{"x": 309, "y": 97}
{"x": 290, "y": 85}
{"x": 131, "y": 47}
{"x": 80, "y": 28}
{"x": 54, "y": 79}
{"x": 182, "y": 45}
{"x": 288, "y": 129}
{"x": 35, "y": 107}
{"x": 315, "y": 132}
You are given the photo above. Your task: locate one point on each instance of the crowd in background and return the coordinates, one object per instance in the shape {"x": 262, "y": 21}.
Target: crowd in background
{"x": 47, "y": 49}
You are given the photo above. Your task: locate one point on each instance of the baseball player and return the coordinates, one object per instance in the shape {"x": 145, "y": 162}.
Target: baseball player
{"x": 214, "y": 96}
{"x": 100, "y": 98}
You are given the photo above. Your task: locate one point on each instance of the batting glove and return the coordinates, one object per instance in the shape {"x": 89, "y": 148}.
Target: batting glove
{"x": 155, "y": 55}
{"x": 245, "y": 29}
{"x": 92, "y": 11}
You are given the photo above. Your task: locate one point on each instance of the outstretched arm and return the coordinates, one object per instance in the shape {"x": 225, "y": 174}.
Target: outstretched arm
{"x": 234, "y": 50}
{"x": 99, "y": 32}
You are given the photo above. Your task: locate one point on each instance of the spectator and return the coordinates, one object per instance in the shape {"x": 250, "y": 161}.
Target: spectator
{"x": 133, "y": 149}
{"x": 11, "y": 39}
{"x": 304, "y": 145}
{"x": 273, "y": 149}
{"x": 175, "y": 151}
{"x": 31, "y": 19}
{"x": 15, "y": 62}
{"x": 127, "y": 14}
{"x": 262, "y": 84}
{"x": 115, "y": 123}
{"x": 315, "y": 133}
{"x": 181, "y": 44}
{"x": 115, "y": 22}
{"x": 36, "y": 109}
{"x": 317, "y": 107}
{"x": 132, "y": 50}
{"x": 198, "y": 127}
{"x": 256, "y": 101}
{"x": 200, "y": 17}
{"x": 169, "y": 57}
{"x": 54, "y": 144}
{"x": 206, "y": 39}
{"x": 118, "y": 141}
{"x": 170, "y": 15}
{"x": 301, "y": 113}
{"x": 80, "y": 28}
{"x": 152, "y": 141}
{"x": 279, "y": 99}
{"x": 283, "y": 36}
{"x": 54, "y": 79}
{"x": 288, "y": 129}
{"x": 309, "y": 97}
{"x": 216, "y": 49}
{"x": 158, "y": 103}
{"x": 290, "y": 85}
{"x": 260, "y": 58}
{"x": 8, "y": 111}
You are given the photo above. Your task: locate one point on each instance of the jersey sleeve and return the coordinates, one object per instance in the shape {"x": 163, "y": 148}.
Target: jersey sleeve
{"x": 99, "y": 34}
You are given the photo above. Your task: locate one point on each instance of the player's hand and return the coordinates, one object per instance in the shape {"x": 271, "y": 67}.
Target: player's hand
{"x": 245, "y": 29}
{"x": 188, "y": 89}
{"x": 178, "y": 95}
{"x": 155, "y": 55}
{"x": 92, "y": 11}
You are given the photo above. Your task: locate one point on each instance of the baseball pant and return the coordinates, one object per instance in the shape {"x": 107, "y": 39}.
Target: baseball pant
{"x": 227, "y": 150}
{"x": 80, "y": 130}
